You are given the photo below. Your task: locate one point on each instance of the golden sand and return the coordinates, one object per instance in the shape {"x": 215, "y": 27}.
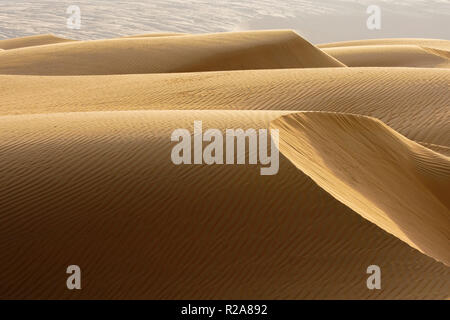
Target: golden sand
{"x": 87, "y": 179}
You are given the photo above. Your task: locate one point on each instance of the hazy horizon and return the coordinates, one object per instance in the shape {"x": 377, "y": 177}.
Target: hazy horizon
{"x": 317, "y": 21}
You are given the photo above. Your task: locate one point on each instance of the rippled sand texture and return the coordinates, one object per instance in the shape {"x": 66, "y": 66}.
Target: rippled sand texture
{"x": 86, "y": 176}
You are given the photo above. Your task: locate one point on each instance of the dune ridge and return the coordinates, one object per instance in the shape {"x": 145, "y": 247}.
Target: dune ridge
{"x": 366, "y": 165}
{"x": 237, "y": 51}
{"x": 30, "y": 41}
{"x": 390, "y": 56}
{"x": 99, "y": 188}
{"x": 437, "y": 148}
{"x": 439, "y": 52}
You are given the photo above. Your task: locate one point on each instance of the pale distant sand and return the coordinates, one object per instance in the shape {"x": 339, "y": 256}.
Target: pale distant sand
{"x": 431, "y": 43}
{"x": 222, "y": 51}
{"x": 156, "y": 34}
{"x": 87, "y": 177}
{"x": 403, "y": 98}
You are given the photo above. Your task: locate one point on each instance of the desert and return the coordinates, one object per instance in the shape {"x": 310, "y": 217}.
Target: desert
{"x": 87, "y": 179}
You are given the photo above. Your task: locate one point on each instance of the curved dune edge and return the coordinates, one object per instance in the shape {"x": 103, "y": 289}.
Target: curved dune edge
{"x": 277, "y": 49}
{"x": 32, "y": 41}
{"x": 98, "y": 189}
{"x": 390, "y": 180}
{"x": 390, "y": 56}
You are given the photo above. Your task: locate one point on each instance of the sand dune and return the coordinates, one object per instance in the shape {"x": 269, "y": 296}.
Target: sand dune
{"x": 98, "y": 189}
{"x": 437, "y": 148}
{"x": 390, "y": 56}
{"x": 237, "y": 51}
{"x": 411, "y": 101}
{"x": 366, "y": 165}
{"x": 156, "y": 34}
{"x": 31, "y": 41}
{"x": 87, "y": 178}
{"x": 430, "y": 43}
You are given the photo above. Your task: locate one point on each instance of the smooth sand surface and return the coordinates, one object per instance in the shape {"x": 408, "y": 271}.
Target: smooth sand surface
{"x": 31, "y": 41}
{"x": 86, "y": 175}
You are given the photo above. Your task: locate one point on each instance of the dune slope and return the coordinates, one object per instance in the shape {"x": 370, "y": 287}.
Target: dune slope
{"x": 390, "y": 56}
{"x": 391, "y": 181}
{"x": 31, "y": 41}
{"x": 222, "y": 51}
{"x": 86, "y": 175}
{"x": 156, "y": 34}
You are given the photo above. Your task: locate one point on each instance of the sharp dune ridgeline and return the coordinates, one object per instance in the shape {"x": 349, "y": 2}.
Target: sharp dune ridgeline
{"x": 422, "y": 53}
{"x": 366, "y": 165}
{"x": 157, "y": 34}
{"x": 87, "y": 178}
{"x": 417, "y": 109}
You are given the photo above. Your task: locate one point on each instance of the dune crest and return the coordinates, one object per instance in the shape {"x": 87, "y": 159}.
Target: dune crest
{"x": 431, "y": 43}
{"x": 210, "y": 52}
{"x": 391, "y": 181}
{"x": 99, "y": 188}
{"x": 31, "y": 41}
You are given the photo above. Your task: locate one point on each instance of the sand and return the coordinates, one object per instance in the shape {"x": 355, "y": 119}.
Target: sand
{"x": 426, "y": 53}
{"x": 156, "y": 34}
{"x": 401, "y": 97}
{"x": 430, "y": 43}
{"x": 390, "y": 56}
{"x": 366, "y": 165}
{"x": 86, "y": 176}
{"x": 211, "y": 52}
{"x": 31, "y": 41}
